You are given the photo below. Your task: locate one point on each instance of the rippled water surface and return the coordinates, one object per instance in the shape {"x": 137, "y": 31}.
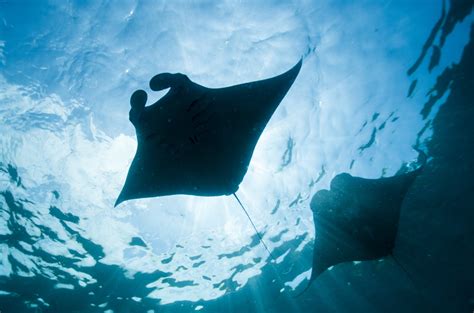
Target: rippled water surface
{"x": 376, "y": 76}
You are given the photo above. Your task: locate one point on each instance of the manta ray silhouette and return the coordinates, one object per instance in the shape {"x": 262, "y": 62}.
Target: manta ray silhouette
{"x": 357, "y": 219}
{"x": 197, "y": 140}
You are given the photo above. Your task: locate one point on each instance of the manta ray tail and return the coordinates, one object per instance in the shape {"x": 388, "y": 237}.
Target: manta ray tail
{"x": 254, "y": 227}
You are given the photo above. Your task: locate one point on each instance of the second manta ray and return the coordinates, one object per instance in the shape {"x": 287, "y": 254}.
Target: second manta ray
{"x": 198, "y": 140}
{"x": 357, "y": 219}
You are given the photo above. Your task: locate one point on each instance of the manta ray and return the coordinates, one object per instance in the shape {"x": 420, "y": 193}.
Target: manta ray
{"x": 197, "y": 140}
{"x": 357, "y": 219}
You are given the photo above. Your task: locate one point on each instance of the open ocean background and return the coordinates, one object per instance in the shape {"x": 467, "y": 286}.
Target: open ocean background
{"x": 379, "y": 80}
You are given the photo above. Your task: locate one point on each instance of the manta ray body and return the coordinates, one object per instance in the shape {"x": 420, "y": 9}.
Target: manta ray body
{"x": 357, "y": 219}
{"x": 197, "y": 140}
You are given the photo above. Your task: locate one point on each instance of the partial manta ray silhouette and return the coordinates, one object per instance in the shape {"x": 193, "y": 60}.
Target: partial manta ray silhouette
{"x": 197, "y": 140}
{"x": 357, "y": 219}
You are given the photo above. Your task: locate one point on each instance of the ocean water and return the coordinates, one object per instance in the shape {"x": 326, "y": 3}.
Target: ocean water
{"x": 380, "y": 81}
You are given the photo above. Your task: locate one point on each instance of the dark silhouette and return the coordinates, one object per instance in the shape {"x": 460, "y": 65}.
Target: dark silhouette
{"x": 357, "y": 219}
{"x": 197, "y": 140}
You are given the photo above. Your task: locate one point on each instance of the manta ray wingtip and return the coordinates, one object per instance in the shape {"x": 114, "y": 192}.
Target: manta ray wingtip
{"x": 296, "y": 69}
{"x": 119, "y": 200}
{"x": 300, "y": 62}
{"x": 290, "y": 75}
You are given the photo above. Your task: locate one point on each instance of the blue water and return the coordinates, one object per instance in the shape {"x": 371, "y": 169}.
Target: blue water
{"x": 380, "y": 79}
